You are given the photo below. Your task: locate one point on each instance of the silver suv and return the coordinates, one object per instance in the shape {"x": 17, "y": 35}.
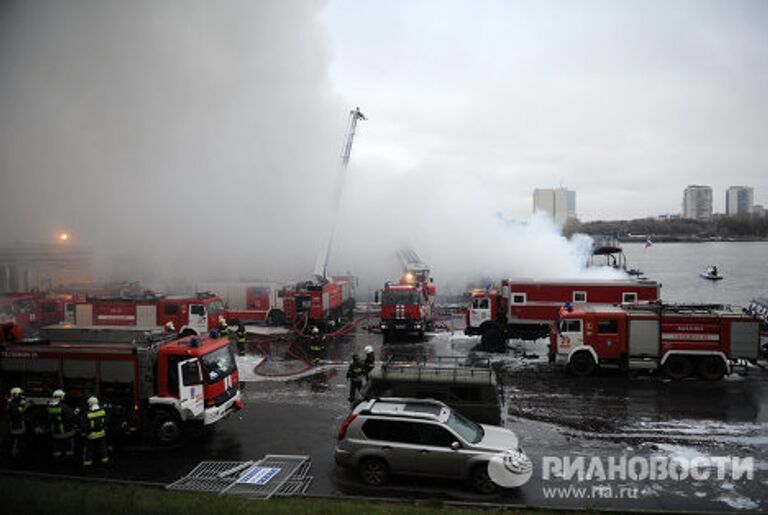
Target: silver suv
{"x": 390, "y": 436}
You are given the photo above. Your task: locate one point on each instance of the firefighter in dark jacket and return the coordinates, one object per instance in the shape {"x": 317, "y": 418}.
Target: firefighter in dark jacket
{"x": 223, "y": 327}
{"x": 355, "y": 374}
{"x": 94, "y": 430}
{"x": 241, "y": 339}
{"x": 17, "y": 415}
{"x": 316, "y": 346}
{"x": 61, "y": 420}
{"x": 370, "y": 360}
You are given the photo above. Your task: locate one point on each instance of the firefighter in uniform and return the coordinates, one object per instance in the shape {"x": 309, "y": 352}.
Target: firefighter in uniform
{"x": 61, "y": 419}
{"x": 241, "y": 339}
{"x": 17, "y": 415}
{"x": 170, "y": 328}
{"x": 355, "y": 374}
{"x": 223, "y": 327}
{"x": 316, "y": 346}
{"x": 94, "y": 429}
{"x": 370, "y": 360}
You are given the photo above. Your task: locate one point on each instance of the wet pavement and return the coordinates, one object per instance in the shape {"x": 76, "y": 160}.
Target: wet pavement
{"x": 297, "y": 410}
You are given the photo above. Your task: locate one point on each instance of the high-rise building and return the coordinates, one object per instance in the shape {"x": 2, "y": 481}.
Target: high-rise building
{"x": 697, "y": 202}
{"x": 739, "y": 200}
{"x": 558, "y": 203}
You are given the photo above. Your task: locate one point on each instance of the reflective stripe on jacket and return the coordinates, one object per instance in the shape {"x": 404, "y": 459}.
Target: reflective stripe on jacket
{"x": 96, "y": 424}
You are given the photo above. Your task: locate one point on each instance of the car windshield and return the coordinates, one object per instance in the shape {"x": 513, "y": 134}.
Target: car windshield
{"x": 468, "y": 430}
{"x": 399, "y": 297}
{"x": 218, "y": 364}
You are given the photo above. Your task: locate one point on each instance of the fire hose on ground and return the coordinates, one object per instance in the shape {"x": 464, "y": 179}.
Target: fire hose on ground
{"x": 298, "y": 333}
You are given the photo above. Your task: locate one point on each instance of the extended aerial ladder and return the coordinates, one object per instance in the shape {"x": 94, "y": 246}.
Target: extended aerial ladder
{"x": 321, "y": 266}
{"x": 413, "y": 265}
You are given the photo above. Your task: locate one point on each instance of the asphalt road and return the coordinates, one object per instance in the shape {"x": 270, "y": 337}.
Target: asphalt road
{"x": 556, "y": 416}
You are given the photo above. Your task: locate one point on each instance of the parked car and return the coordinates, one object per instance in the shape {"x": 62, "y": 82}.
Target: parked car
{"x": 423, "y": 437}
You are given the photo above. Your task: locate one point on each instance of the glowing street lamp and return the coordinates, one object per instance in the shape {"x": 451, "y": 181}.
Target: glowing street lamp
{"x": 64, "y": 237}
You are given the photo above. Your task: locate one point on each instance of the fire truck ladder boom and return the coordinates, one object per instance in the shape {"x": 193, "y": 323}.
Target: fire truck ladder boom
{"x": 321, "y": 266}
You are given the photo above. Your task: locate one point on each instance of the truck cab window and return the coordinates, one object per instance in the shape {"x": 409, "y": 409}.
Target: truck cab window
{"x": 570, "y": 326}
{"x": 607, "y": 326}
{"x": 190, "y": 374}
{"x": 171, "y": 309}
{"x": 197, "y": 309}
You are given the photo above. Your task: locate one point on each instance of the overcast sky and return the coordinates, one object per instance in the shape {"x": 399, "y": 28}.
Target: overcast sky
{"x": 624, "y": 102}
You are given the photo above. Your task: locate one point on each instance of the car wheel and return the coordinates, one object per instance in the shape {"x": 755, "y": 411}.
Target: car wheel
{"x": 712, "y": 368}
{"x": 582, "y": 364}
{"x": 481, "y": 482}
{"x": 374, "y": 471}
{"x": 678, "y": 367}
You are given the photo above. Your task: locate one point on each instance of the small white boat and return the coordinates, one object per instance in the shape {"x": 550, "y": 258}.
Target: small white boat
{"x": 712, "y": 274}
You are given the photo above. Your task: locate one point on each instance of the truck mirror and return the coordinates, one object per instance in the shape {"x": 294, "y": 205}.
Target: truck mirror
{"x": 190, "y": 374}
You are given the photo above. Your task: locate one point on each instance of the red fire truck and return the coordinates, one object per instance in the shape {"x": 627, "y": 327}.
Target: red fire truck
{"x": 32, "y": 310}
{"x": 407, "y": 308}
{"x": 678, "y": 339}
{"x": 524, "y": 308}
{"x": 156, "y": 385}
{"x": 190, "y": 314}
{"x": 251, "y": 301}
{"x": 325, "y": 305}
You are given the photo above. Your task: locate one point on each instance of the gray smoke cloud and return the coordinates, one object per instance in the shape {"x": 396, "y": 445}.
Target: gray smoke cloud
{"x": 178, "y": 137}
{"x": 190, "y": 141}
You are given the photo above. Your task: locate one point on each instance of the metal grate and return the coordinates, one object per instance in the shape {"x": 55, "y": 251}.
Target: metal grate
{"x": 287, "y": 476}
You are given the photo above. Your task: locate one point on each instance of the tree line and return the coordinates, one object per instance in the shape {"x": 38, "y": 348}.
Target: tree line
{"x": 720, "y": 226}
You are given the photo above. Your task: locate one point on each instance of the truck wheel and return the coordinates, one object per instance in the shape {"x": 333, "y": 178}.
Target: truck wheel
{"x": 481, "y": 482}
{"x": 712, "y": 368}
{"x": 582, "y": 364}
{"x": 492, "y": 340}
{"x": 374, "y": 471}
{"x": 166, "y": 429}
{"x": 678, "y": 367}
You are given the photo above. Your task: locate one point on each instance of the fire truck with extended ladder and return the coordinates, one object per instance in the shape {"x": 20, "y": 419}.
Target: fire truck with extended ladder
{"x": 525, "y": 308}
{"x": 678, "y": 339}
{"x": 408, "y": 307}
{"x": 155, "y": 384}
{"x": 326, "y": 302}
{"x": 191, "y": 314}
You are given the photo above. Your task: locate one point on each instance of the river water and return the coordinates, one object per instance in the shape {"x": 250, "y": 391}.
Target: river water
{"x": 677, "y": 266}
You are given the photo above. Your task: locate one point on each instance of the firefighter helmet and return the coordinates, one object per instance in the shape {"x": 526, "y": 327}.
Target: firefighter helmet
{"x": 58, "y": 395}
{"x": 16, "y": 392}
{"x": 315, "y": 330}
{"x": 222, "y": 320}
{"x": 368, "y": 349}
{"x": 170, "y": 327}
{"x": 93, "y": 403}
